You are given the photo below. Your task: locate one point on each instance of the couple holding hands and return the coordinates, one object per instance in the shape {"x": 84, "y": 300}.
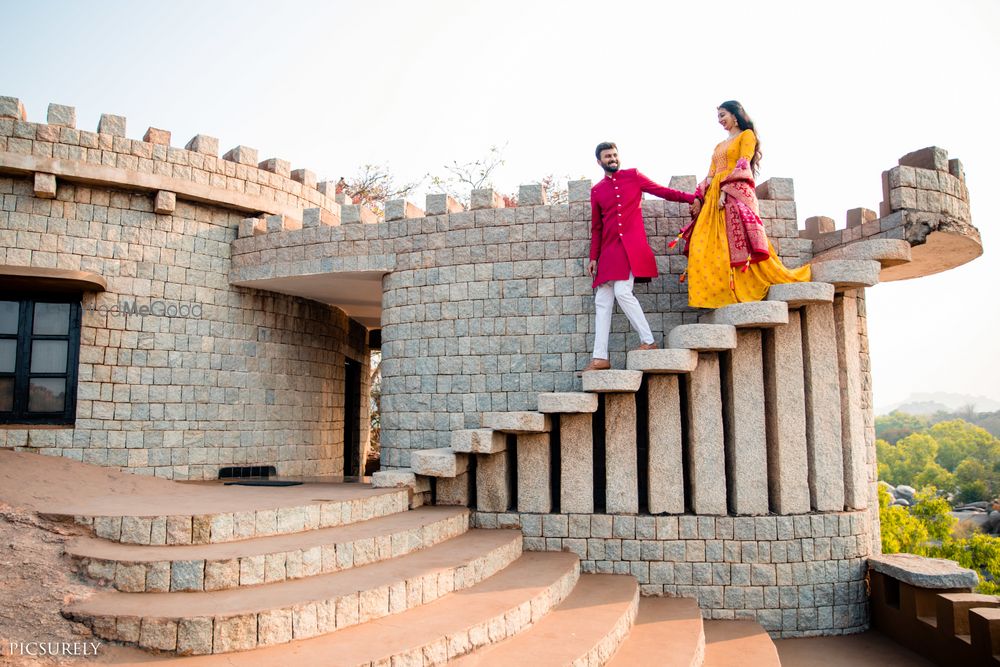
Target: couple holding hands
{"x": 729, "y": 257}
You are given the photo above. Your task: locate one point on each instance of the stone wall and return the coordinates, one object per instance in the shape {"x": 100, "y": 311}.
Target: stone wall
{"x": 797, "y": 576}
{"x": 255, "y": 378}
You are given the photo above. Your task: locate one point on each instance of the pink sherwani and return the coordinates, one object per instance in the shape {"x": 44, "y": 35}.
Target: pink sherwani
{"x": 618, "y": 235}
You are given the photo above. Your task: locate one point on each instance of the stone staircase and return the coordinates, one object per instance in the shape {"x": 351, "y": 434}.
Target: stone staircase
{"x": 367, "y": 581}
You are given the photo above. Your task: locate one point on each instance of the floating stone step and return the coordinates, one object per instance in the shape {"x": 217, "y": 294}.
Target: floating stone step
{"x": 227, "y": 513}
{"x": 758, "y": 314}
{"x": 603, "y": 382}
{"x": 236, "y": 620}
{"x": 729, "y": 643}
{"x": 847, "y": 273}
{"x": 585, "y": 629}
{"x": 668, "y": 632}
{"x": 887, "y": 252}
{"x": 478, "y": 441}
{"x": 431, "y": 634}
{"x": 570, "y": 402}
{"x": 209, "y": 567}
{"x": 438, "y": 462}
{"x": 662, "y": 361}
{"x": 801, "y": 294}
{"x": 399, "y": 478}
{"x": 517, "y": 422}
{"x": 703, "y": 337}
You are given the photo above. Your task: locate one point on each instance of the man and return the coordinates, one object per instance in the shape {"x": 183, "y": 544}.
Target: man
{"x": 619, "y": 250}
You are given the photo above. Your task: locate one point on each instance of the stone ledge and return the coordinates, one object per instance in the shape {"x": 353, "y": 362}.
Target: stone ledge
{"x": 403, "y": 477}
{"x": 801, "y": 294}
{"x": 517, "y": 422}
{"x": 612, "y": 381}
{"x": 847, "y": 273}
{"x": 924, "y": 572}
{"x": 754, "y": 314}
{"x": 703, "y": 337}
{"x": 887, "y": 252}
{"x": 478, "y": 441}
{"x": 567, "y": 402}
{"x": 662, "y": 361}
{"x": 441, "y": 462}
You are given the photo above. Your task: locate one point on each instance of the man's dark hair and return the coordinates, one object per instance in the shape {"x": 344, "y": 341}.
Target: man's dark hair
{"x": 603, "y": 146}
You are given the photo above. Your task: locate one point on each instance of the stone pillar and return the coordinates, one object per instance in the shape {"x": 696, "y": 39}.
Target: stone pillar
{"x": 534, "y": 465}
{"x": 822, "y": 392}
{"x": 492, "y": 483}
{"x": 453, "y": 490}
{"x": 706, "y": 447}
{"x": 576, "y": 447}
{"x": 666, "y": 468}
{"x": 746, "y": 441}
{"x": 619, "y": 442}
{"x": 845, "y": 311}
{"x": 787, "y": 460}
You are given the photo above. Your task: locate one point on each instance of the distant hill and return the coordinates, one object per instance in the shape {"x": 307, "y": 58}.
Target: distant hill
{"x": 931, "y": 403}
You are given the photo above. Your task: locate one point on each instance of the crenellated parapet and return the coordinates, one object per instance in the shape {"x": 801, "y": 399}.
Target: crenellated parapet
{"x": 925, "y": 203}
{"x": 57, "y": 151}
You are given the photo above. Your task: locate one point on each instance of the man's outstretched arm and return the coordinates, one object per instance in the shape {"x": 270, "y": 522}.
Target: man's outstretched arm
{"x": 653, "y": 188}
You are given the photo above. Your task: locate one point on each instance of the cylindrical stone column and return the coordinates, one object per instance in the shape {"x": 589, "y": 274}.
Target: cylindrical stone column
{"x": 534, "y": 466}
{"x": 622, "y": 492}
{"x": 706, "y": 446}
{"x": 845, "y": 311}
{"x": 787, "y": 460}
{"x": 576, "y": 448}
{"x": 492, "y": 482}
{"x": 666, "y": 467}
{"x": 822, "y": 391}
{"x": 746, "y": 441}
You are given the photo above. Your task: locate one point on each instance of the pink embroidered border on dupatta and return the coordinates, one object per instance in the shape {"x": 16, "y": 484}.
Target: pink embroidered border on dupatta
{"x": 744, "y": 229}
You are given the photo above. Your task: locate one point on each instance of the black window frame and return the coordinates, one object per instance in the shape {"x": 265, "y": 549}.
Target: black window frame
{"x": 19, "y": 415}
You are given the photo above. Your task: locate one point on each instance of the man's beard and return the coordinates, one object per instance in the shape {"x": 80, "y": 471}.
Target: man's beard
{"x": 610, "y": 168}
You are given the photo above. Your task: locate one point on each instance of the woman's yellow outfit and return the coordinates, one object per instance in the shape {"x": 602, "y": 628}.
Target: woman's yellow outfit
{"x": 712, "y": 282}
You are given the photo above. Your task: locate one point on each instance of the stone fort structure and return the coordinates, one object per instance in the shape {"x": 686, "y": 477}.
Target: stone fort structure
{"x": 173, "y": 312}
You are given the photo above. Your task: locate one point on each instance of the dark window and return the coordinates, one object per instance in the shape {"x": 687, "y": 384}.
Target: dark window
{"x": 39, "y": 355}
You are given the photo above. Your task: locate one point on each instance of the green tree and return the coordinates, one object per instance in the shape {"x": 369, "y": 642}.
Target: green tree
{"x": 959, "y": 440}
{"x": 935, "y": 476}
{"x": 934, "y": 513}
{"x": 901, "y": 531}
{"x": 971, "y": 476}
{"x": 896, "y": 425}
{"x": 907, "y": 458}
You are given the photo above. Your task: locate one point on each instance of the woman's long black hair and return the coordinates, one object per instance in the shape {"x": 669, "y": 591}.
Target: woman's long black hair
{"x": 744, "y": 123}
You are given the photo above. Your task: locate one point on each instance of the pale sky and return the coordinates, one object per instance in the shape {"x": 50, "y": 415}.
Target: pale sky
{"x": 838, "y": 91}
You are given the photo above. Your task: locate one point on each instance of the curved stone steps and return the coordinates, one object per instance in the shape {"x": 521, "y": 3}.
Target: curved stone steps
{"x": 570, "y": 402}
{"x": 217, "y": 513}
{"x": 668, "y": 632}
{"x": 662, "y": 361}
{"x": 586, "y": 629}
{"x": 448, "y": 628}
{"x": 244, "y": 618}
{"x": 136, "y": 569}
{"x": 887, "y": 252}
{"x": 438, "y": 462}
{"x": 801, "y": 294}
{"x": 729, "y": 643}
{"x": 478, "y": 441}
{"x": 517, "y": 422}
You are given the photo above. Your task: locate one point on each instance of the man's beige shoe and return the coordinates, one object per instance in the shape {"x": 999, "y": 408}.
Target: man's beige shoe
{"x": 596, "y": 365}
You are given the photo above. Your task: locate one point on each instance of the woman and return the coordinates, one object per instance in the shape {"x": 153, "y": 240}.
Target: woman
{"x": 730, "y": 259}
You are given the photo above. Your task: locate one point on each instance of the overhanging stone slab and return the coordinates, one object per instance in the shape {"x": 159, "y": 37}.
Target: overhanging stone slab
{"x": 603, "y": 382}
{"x": 703, "y": 337}
{"x": 441, "y": 462}
{"x": 567, "y": 402}
{"x": 755, "y": 314}
{"x": 887, "y": 252}
{"x": 662, "y": 361}
{"x": 801, "y": 294}
{"x": 924, "y": 572}
{"x": 517, "y": 422}
{"x": 478, "y": 441}
{"x": 847, "y": 273}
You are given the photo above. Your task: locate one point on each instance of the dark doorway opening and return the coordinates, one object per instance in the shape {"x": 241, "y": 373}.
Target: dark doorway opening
{"x": 352, "y": 418}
